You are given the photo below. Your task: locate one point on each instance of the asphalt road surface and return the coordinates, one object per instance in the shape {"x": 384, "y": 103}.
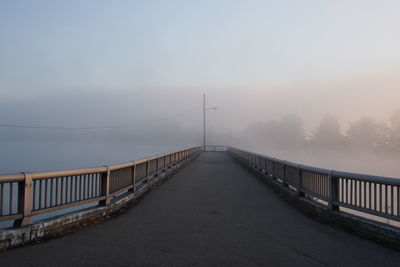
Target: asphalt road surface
{"x": 212, "y": 213}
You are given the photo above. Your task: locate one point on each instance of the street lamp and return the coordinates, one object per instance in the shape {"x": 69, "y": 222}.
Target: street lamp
{"x": 204, "y": 120}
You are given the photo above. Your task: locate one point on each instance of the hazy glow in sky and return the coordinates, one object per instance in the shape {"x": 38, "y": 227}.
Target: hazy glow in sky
{"x": 241, "y": 53}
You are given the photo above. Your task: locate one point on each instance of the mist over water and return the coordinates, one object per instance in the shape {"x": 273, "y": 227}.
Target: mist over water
{"x": 367, "y": 145}
{"x": 49, "y": 156}
{"x": 364, "y": 145}
{"x": 52, "y": 151}
{"x": 357, "y": 161}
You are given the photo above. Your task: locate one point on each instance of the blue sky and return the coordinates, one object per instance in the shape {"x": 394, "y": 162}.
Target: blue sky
{"x": 247, "y": 49}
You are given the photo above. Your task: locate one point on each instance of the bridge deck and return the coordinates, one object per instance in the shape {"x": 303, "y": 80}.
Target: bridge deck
{"x": 213, "y": 212}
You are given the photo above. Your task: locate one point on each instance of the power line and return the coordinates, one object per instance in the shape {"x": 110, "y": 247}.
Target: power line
{"x": 6, "y": 125}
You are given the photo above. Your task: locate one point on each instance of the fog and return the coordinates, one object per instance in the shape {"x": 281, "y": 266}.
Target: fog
{"x": 367, "y": 146}
{"x": 159, "y": 124}
{"x": 306, "y": 81}
{"x": 151, "y": 131}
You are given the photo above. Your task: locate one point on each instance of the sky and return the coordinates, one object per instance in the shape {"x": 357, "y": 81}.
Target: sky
{"x": 100, "y": 62}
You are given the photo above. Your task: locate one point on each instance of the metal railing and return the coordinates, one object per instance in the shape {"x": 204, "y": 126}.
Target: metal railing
{"x": 215, "y": 148}
{"x": 373, "y": 195}
{"x": 25, "y": 195}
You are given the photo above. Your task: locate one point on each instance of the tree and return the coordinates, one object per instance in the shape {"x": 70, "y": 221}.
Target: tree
{"x": 369, "y": 133}
{"x": 287, "y": 133}
{"x": 254, "y": 135}
{"x": 327, "y": 134}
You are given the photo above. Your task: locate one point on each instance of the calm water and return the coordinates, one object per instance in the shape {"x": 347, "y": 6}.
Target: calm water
{"x": 26, "y": 156}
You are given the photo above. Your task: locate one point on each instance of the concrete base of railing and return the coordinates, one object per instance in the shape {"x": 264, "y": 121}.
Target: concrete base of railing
{"x": 72, "y": 222}
{"x": 378, "y": 232}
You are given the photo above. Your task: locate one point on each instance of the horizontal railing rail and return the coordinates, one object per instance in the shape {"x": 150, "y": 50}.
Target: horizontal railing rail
{"x": 215, "y": 148}
{"x": 374, "y": 195}
{"x": 25, "y": 195}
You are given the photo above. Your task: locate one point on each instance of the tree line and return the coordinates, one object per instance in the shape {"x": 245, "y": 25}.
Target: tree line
{"x": 288, "y": 133}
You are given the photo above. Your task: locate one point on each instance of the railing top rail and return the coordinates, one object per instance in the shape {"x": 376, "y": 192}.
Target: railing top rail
{"x": 266, "y": 157}
{"x": 219, "y": 148}
{"x": 19, "y": 177}
{"x": 366, "y": 177}
{"x": 44, "y": 175}
{"x": 315, "y": 169}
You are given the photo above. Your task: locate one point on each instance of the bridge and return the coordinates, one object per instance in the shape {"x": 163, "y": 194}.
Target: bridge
{"x": 220, "y": 207}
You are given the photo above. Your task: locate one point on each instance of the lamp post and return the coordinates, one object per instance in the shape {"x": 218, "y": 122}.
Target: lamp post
{"x": 204, "y": 120}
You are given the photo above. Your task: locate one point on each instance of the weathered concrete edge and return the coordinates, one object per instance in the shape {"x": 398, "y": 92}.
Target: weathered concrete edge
{"x": 375, "y": 231}
{"x": 58, "y": 226}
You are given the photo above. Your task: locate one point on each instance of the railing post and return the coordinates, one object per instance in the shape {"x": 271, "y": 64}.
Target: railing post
{"x": 133, "y": 178}
{"x": 105, "y": 187}
{"x": 299, "y": 182}
{"x": 165, "y": 165}
{"x": 265, "y": 166}
{"x": 285, "y": 184}
{"x": 148, "y": 171}
{"x": 273, "y": 169}
{"x": 25, "y": 201}
{"x": 158, "y": 166}
{"x": 333, "y": 194}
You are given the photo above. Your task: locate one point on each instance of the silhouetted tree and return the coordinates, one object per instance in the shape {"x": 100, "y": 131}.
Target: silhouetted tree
{"x": 287, "y": 133}
{"x": 368, "y": 133}
{"x": 254, "y": 135}
{"x": 327, "y": 134}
